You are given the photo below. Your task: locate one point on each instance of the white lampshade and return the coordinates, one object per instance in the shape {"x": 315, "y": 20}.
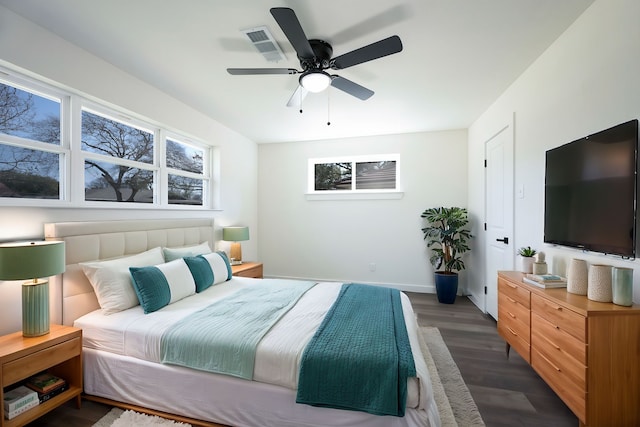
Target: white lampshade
{"x": 315, "y": 81}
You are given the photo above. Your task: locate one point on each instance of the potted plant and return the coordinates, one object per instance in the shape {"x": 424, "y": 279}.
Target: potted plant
{"x": 526, "y": 259}
{"x": 447, "y": 235}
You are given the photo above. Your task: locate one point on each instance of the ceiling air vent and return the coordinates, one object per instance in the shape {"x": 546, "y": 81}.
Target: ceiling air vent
{"x": 262, "y": 39}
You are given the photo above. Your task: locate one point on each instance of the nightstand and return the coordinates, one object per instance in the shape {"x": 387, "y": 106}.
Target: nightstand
{"x": 59, "y": 352}
{"x": 248, "y": 269}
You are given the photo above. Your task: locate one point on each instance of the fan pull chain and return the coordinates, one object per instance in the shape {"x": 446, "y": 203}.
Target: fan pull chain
{"x": 329, "y": 106}
{"x": 300, "y": 93}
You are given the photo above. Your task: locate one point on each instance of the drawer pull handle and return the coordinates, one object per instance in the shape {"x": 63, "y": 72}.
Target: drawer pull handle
{"x": 512, "y": 286}
{"x": 512, "y": 331}
{"x": 511, "y": 314}
{"x": 511, "y": 300}
{"x": 550, "y": 363}
{"x": 557, "y": 347}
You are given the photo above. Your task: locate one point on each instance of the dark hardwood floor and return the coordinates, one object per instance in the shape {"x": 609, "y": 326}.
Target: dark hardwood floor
{"x": 507, "y": 391}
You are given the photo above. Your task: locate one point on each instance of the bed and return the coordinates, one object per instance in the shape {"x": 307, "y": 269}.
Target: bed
{"x": 121, "y": 350}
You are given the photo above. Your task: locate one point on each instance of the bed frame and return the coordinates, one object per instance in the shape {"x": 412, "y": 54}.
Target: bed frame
{"x": 73, "y": 296}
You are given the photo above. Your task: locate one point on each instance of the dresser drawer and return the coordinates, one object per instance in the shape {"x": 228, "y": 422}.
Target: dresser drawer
{"x": 33, "y": 363}
{"x": 560, "y": 339}
{"x": 560, "y": 317}
{"x": 574, "y": 397}
{"x": 559, "y": 359}
{"x": 515, "y": 292}
{"x": 517, "y": 342}
{"x": 512, "y": 309}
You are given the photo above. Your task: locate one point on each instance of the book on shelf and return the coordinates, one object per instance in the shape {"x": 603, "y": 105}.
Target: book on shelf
{"x": 44, "y": 382}
{"x": 19, "y": 399}
{"x": 43, "y": 397}
{"x": 545, "y": 285}
{"x": 12, "y": 414}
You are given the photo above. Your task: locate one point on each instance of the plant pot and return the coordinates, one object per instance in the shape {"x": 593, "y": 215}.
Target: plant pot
{"x": 526, "y": 263}
{"x": 446, "y": 286}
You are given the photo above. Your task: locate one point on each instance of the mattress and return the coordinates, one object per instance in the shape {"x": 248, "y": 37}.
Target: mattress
{"x": 136, "y": 336}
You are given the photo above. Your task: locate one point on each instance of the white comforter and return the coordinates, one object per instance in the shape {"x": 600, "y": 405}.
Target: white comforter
{"x": 132, "y": 333}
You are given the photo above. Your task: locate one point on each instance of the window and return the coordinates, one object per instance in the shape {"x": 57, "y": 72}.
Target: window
{"x": 119, "y": 161}
{"x": 354, "y": 175}
{"x": 186, "y": 179}
{"x": 31, "y": 153}
{"x": 59, "y": 146}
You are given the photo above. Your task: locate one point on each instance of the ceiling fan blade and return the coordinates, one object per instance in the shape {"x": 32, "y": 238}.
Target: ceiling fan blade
{"x": 297, "y": 97}
{"x": 370, "y": 52}
{"x": 351, "y": 88}
{"x": 252, "y": 71}
{"x": 288, "y": 21}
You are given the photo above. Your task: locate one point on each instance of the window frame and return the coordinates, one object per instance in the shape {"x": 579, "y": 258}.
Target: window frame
{"x": 353, "y": 193}
{"x": 72, "y": 156}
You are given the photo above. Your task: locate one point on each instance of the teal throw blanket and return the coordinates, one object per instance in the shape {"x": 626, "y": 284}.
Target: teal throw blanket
{"x": 223, "y": 337}
{"x": 360, "y": 356}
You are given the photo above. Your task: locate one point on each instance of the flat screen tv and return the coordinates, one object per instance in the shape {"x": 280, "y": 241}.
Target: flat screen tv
{"x": 591, "y": 192}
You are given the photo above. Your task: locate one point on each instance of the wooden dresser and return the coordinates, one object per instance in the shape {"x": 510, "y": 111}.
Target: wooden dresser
{"x": 588, "y": 352}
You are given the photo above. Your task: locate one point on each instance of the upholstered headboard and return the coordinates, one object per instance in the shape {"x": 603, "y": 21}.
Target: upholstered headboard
{"x": 71, "y": 293}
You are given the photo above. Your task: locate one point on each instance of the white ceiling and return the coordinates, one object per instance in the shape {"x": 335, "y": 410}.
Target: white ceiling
{"x": 458, "y": 57}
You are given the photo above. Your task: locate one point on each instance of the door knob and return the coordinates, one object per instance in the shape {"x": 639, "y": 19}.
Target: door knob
{"x": 503, "y": 240}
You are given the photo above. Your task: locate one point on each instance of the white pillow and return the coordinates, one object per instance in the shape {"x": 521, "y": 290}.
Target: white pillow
{"x": 171, "y": 254}
{"x": 111, "y": 279}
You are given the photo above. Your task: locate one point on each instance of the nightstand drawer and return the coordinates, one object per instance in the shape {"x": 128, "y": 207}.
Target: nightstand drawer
{"x": 26, "y": 366}
{"x": 248, "y": 269}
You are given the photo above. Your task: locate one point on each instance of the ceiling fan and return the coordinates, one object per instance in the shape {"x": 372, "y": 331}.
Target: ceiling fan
{"x": 316, "y": 56}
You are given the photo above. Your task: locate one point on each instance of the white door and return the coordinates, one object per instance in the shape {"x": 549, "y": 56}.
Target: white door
{"x": 499, "y": 212}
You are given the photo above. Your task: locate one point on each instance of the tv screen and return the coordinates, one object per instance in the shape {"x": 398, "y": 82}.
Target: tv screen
{"x": 590, "y": 192}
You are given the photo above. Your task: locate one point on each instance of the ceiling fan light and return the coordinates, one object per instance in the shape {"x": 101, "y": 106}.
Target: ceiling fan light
{"x": 315, "y": 81}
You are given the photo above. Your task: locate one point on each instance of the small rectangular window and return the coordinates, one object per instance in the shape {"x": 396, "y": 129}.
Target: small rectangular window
{"x": 29, "y": 174}
{"x": 30, "y": 116}
{"x": 354, "y": 174}
{"x": 112, "y": 182}
{"x": 112, "y": 138}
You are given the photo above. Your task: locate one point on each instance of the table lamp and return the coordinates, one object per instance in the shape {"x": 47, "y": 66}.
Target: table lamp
{"x": 37, "y": 261}
{"x": 235, "y": 235}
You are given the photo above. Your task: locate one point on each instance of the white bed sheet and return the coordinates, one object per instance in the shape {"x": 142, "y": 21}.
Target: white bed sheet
{"x": 135, "y": 335}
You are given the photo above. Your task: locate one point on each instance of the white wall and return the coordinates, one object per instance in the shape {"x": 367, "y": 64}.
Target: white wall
{"x": 29, "y": 48}
{"x": 339, "y": 239}
{"x": 585, "y": 82}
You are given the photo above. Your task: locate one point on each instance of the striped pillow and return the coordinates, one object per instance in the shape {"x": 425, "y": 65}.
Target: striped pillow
{"x": 209, "y": 269}
{"x": 160, "y": 285}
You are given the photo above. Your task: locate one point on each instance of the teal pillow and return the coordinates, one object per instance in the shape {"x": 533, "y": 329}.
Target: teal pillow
{"x": 209, "y": 269}
{"x": 160, "y": 285}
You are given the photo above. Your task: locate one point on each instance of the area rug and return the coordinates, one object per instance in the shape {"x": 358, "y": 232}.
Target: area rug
{"x": 120, "y": 418}
{"x": 455, "y": 404}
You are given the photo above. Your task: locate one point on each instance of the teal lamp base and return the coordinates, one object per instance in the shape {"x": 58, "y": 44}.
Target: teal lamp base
{"x": 35, "y": 308}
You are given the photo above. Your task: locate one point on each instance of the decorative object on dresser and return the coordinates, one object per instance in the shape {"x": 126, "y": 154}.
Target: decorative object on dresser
{"x": 599, "y": 284}
{"x": 539, "y": 265}
{"x": 447, "y": 235}
{"x": 525, "y": 256}
{"x": 248, "y": 269}
{"x": 586, "y": 351}
{"x": 577, "y": 277}
{"x": 32, "y": 260}
{"x": 622, "y": 284}
{"x": 235, "y": 235}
